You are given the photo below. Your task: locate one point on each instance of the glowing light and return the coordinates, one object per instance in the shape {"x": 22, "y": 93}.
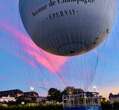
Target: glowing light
{"x": 94, "y": 88}
{"x": 32, "y": 88}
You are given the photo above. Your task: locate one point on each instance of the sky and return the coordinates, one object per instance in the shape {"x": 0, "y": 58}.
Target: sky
{"x": 25, "y": 66}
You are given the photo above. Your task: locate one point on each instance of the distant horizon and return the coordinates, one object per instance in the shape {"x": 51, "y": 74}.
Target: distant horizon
{"x": 104, "y": 94}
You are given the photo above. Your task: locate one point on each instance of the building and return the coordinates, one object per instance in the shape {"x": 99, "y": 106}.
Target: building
{"x": 7, "y": 99}
{"x": 114, "y": 98}
{"x": 10, "y": 96}
{"x": 20, "y": 97}
{"x": 11, "y": 93}
{"x": 82, "y": 101}
{"x": 29, "y": 97}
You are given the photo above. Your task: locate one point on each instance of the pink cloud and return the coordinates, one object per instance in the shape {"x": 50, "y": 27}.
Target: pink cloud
{"x": 51, "y": 62}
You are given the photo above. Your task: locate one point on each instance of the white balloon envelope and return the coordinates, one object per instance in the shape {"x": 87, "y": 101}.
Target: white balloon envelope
{"x": 67, "y": 27}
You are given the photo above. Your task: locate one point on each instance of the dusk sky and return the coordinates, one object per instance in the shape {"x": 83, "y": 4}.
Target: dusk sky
{"x": 23, "y": 65}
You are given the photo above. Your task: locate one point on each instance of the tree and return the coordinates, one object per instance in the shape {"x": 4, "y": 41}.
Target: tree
{"x": 71, "y": 91}
{"x": 68, "y": 91}
{"x": 54, "y": 95}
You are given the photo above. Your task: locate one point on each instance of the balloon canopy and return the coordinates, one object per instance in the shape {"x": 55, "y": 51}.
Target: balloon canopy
{"x": 67, "y": 27}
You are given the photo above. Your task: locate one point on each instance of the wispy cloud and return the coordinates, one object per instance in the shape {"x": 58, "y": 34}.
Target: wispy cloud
{"x": 51, "y": 62}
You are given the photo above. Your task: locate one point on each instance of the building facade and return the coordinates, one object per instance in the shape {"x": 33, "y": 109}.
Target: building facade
{"x": 19, "y": 97}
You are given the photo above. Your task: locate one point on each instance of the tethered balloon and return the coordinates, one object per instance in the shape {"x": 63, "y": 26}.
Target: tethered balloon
{"x": 67, "y": 27}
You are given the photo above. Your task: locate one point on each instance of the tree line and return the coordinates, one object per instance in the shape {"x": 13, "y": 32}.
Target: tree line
{"x": 56, "y": 95}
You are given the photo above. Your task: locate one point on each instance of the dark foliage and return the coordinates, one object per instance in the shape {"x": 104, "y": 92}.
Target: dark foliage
{"x": 48, "y": 107}
{"x": 106, "y": 106}
{"x": 109, "y": 106}
{"x": 54, "y": 95}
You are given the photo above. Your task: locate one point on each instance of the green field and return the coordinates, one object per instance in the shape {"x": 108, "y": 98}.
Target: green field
{"x": 27, "y": 107}
{"x": 105, "y": 106}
